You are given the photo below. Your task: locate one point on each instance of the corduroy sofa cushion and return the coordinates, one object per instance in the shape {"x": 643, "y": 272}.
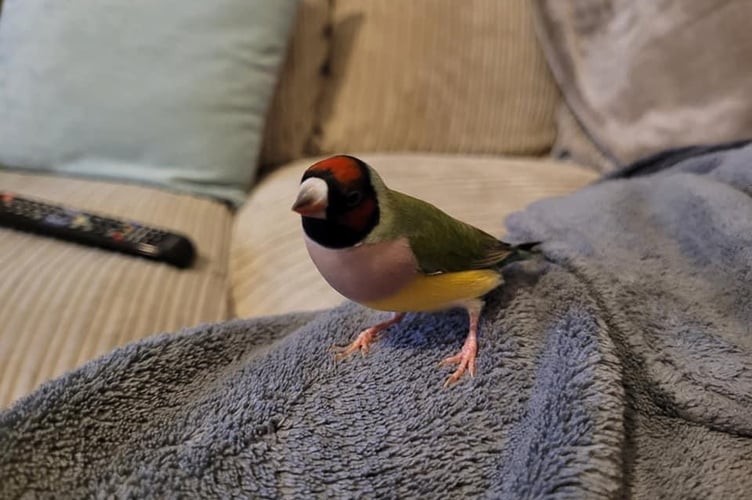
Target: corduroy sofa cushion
{"x": 437, "y": 76}
{"x": 270, "y": 270}
{"x": 62, "y": 303}
{"x": 291, "y": 116}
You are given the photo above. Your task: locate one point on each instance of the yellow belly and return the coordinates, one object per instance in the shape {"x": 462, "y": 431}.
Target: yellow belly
{"x": 440, "y": 291}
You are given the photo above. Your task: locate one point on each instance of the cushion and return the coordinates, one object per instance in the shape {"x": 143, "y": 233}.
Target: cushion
{"x": 291, "y": 116}
{"x": 269, "y": 266}
{"x": 572, "y": 142}
{"x": 167, "y": 92}
{"x": 645, "y": 76}
{"x": 62, "y": 303}
{"x": 439, "y": 76}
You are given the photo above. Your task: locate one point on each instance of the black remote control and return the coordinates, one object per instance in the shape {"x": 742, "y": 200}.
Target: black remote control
{"x": 95, "y": 230}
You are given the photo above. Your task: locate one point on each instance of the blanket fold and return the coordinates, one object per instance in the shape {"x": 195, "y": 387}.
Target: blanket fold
{"x": 617, "y": 364}
{"x": 640, "y": 76}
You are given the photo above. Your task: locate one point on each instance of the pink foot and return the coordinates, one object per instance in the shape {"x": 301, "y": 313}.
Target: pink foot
{"x": 367, "y": 337}
{"x": 466, "y": 357}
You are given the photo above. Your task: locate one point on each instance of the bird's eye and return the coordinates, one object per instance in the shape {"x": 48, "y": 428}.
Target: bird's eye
{"x": 353, "y": 198}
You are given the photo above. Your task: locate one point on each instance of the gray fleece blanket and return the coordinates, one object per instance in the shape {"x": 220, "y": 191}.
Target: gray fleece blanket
{"x": 617, "y": 364}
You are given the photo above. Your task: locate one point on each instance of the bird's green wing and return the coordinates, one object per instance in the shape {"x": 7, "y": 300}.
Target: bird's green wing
{"x": 442, "y": 243}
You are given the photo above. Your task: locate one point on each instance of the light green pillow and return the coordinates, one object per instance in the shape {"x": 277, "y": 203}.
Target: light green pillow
{"x": 165, "y": 92}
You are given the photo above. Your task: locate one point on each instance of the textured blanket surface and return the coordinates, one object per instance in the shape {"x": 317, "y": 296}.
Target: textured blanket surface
{"x": 642, "y": 76}
{"x": 617, "y": 364}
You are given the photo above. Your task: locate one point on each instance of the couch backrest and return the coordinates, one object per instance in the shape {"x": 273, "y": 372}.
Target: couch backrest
{"x": 426, "y": 75}
{"x": 292, "y": 114}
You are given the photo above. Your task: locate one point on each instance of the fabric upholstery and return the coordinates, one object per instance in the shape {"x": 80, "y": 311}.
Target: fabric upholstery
{"x": 645, "y": 76}
{"x": 270, "y": 269}
{"x": 170, "y": 93}
{"x": 572, "y": 143}
{"x": 437, "y": 76}
{"x": 291, "y": 116}
{"x": 62, "y": 304}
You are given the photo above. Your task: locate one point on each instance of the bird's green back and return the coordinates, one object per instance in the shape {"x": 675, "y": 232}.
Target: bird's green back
{"x": 440, "y": 242}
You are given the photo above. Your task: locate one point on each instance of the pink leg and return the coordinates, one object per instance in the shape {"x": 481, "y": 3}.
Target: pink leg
{"x": 466, "y": 357}
{"x": 363, "y": 341}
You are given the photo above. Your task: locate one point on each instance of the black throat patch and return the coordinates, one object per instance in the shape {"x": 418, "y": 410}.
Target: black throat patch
{"x": 346, "y": 223}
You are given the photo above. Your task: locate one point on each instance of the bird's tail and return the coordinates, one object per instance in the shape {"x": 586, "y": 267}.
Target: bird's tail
{"x": 527, "y": 247}
{"x": 522, "y": 251}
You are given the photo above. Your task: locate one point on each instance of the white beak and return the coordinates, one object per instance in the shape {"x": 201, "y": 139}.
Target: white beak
{"x": 312, "y": 198}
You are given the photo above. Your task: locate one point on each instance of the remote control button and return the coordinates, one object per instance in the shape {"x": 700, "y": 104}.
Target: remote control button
{"x": 81, "y": 221}
{"x": 148, "y": 249}
{"x": 56, "y": 220}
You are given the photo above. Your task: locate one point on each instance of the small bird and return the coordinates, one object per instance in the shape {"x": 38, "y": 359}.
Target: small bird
{"x": 389, "y": 251}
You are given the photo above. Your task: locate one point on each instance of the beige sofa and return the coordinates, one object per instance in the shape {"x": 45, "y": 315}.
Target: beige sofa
{"x": 456, "y": 107}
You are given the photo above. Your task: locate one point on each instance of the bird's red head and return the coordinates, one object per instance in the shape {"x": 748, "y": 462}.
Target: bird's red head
{"x": 337, "y": 201}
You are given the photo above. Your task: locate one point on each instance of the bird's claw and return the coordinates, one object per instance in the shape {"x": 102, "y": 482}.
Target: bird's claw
{"x": 342, "y": 352}
{"x": 365, "y": 338}
{"x": 466, "y": 360}
{"x": 361, "y": 343}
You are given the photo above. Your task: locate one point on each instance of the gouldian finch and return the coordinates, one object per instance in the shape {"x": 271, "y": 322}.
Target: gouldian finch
{"x": 392, "y": 252}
